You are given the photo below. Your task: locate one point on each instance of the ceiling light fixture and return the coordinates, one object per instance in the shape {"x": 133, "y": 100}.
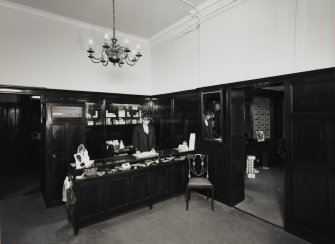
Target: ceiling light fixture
{"x": 113, "y": 52}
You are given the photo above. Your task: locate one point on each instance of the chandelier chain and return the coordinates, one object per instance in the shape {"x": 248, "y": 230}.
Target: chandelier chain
{"x": 113, "y": 19}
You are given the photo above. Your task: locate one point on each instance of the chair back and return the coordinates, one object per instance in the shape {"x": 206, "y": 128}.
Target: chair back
{"x": 197, "y": 165}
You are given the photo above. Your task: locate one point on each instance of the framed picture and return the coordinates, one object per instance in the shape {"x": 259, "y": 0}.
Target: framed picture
{"x": 259, "y": 135}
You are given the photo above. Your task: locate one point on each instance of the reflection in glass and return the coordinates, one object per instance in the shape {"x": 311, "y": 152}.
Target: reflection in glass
{"x": 211, "y": 116}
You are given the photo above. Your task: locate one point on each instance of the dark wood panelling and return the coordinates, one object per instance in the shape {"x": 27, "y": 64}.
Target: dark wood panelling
{"x": 310, "y": 205}
{"x": 314, "y": 97}
{"x": 186, "y": 105}
{"x": 331, "y": 193}
{"x": 10, "y": 137}
{"x": 76, "y": 137}
{"x": 162, "y": 107}
{"x": 193, "y": 126}
{"x": 117, "y": 197}
{"x": 237, "y": 146}
{"x": 330, "y": 144}
{"x": 159, "y": 182}
{"x": 92, "y": 200}
{"x": 2, "y": 117}
{"x": 176, "y": 178}
{"x": 310, "y": 157}
{"x": 179, "y": 131}
{"x": 140, "y": 188}
{"x": 218, "y": 170}
{"x": 221, "y": 176}
{"x": 96, "y": 142}
{"x": 307, "y": 143}
{"x": 58, "y": 169}
{"x": 58, "y": 138}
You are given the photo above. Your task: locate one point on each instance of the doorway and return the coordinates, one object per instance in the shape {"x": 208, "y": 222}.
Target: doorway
{"x": 264, "y": 147}
{"x": 20, "y": 145}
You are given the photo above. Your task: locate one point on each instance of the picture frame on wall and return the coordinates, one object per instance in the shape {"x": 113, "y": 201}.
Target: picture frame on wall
{"x": 260, "y": 135}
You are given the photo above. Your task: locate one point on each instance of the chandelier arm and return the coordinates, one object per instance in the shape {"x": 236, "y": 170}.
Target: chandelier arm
{"x": 130, "y": 62}
{"x": 96, "y": 60}
{"x": 134, "y": 60}
{"x": 105, "y": 63}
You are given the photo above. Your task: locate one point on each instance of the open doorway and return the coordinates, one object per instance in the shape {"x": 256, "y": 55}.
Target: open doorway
{"x": 20, "y": 165}
{"x": 264, "y": 146}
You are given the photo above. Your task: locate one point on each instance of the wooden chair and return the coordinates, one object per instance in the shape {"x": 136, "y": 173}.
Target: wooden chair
{"x": 198, "y": 176}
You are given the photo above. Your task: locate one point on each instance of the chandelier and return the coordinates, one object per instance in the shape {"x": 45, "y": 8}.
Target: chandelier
{"x": 113, "y": 52}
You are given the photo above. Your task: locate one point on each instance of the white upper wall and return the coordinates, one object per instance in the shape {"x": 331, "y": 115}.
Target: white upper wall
{"x": 315, "y": 37}
{"x": 248, "y": 40}
{"x": 39, "y": 49}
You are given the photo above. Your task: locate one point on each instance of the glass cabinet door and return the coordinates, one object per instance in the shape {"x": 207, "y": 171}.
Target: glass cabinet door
{"x": 212, "y": 116}
{"x": 94, "y": 113}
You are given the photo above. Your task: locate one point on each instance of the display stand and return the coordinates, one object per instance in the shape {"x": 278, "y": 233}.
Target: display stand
{"x": 250, "y": 166}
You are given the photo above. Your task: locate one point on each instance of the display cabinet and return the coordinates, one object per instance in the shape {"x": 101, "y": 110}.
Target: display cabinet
{"x": 121, "y": 114}
{"x": 94, "y": 113}
{"x": 116, "y": 185}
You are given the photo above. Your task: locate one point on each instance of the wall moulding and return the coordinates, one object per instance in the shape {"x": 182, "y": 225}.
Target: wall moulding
{"x": 205, "y": 12}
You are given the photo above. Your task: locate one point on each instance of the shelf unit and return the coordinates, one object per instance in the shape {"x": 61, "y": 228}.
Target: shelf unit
{"x": 123, "y": 114}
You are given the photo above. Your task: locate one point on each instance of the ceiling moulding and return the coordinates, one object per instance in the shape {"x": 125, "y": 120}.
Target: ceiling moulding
{"x": 207, "y": 10}
{"x": 60, "y": 18}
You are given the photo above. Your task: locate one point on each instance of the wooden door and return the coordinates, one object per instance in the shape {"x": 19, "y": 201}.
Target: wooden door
{"x": 310, "y": 160}
{"x": 65, "y": 130}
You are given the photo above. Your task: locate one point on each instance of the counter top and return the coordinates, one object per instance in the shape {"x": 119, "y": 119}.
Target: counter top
{"x": 126, "y": 163}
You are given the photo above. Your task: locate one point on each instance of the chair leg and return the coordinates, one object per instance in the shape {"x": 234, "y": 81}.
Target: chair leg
{"x": 212, "y": 199}
{"x": 207, "y": 193}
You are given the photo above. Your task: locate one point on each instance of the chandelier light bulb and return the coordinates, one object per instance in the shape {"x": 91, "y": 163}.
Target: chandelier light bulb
{"x": 138, "y": 46}
{"x": 126, "y": 41}
{"x": 106, "y": 36}
{"x": 90, "y": 42}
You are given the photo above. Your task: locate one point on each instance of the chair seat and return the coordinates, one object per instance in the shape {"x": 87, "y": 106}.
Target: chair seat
{"x": 199, "y": 182}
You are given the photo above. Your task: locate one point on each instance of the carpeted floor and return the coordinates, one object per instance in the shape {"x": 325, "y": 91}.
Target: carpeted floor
{"x": 25, "y": 220}
{"x": 18, "y": 185}
{"x": 264, "y": 195}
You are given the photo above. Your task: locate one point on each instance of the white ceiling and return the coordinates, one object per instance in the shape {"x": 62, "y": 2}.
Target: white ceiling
{"x": 142, "y": 18}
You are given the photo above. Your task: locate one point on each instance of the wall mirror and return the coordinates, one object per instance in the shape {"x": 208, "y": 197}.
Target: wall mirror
{"x": 211, "y": 110}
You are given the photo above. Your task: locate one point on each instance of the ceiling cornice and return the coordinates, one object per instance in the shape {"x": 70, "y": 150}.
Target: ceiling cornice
{"x": 60, "y": 18}
{"x": 207, "y": 10}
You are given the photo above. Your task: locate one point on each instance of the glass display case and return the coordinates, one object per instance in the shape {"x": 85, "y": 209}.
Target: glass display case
{"x": 125, "y": 163}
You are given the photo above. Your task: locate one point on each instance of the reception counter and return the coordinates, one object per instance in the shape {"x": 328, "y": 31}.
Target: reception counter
{"x": 108, "y": 189}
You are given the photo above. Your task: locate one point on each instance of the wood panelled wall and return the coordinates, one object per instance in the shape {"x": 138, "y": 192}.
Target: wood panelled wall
{"x": 310, "y": 167}
{"x": 309, "y": 124}
{"x": 175, "y": 117}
